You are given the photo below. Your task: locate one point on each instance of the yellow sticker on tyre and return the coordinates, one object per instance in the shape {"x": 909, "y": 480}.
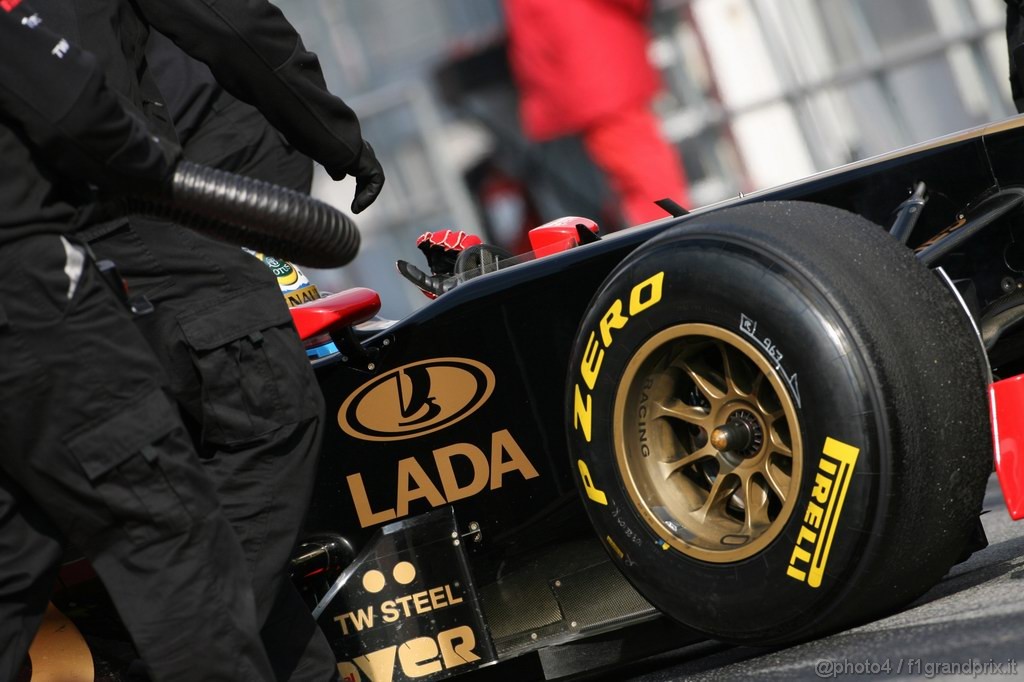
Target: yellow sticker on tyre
{"x": 814, "y": 542}
{"x": 641, "y": 297}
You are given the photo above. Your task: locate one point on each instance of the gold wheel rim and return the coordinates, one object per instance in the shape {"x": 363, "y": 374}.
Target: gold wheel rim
{"x": 686, "y": 387}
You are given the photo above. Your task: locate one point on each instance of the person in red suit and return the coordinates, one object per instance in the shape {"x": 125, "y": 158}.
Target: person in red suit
{"x": 581, "y": 67}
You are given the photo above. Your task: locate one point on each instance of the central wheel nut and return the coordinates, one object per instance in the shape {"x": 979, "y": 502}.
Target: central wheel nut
{"x": 733, "y": 436}
{"x": 741, "y": 435}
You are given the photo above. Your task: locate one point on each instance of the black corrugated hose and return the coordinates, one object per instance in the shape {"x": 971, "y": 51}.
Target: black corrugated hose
{"x": 256, "y": 214}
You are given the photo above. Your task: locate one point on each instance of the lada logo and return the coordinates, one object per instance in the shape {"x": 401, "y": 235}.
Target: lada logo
{"x": 416, "y": 399}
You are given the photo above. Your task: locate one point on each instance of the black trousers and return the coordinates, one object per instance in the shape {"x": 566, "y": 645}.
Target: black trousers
{"x": 249, "y": 397}
{"x": 94, "y": 452}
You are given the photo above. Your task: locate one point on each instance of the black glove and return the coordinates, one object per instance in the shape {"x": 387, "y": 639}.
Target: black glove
{"x": 369, "y": 178}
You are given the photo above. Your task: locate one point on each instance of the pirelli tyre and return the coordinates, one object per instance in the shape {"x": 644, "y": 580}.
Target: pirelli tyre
{"x": 779, "y": 424}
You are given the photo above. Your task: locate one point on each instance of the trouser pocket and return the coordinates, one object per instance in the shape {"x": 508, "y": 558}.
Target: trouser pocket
{"x": 254, "y": 375}
{"x": 141, "y": 465}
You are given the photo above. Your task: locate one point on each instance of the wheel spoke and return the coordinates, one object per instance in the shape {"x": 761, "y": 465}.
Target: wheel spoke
{"x": 712, "y": 392}
{"x": 756, "y": 499}
{"x": 721, "y": 490}
{"x": 777, "y": 443}
{"x": 669, "y": 468}
{"x": 728, "y": 370}
{"x": 663, "y": 383}
{"x": 738, "y": 381}
{"x": 677, "y": 409}
{"x": 778, "y": 479}
{"x": 766, "y": 399}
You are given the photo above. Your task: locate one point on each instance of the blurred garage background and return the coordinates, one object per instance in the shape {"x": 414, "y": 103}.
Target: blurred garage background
{"x": 757, "y": 93}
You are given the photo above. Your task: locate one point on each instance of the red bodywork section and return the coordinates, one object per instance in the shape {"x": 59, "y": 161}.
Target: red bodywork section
{"x": 1006, "y": 404}
{"x": 342, "y": 309}
{"x": 558, "y": 235}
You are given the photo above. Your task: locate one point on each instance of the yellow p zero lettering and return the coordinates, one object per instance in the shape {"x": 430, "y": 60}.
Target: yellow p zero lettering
{"x": 645, "y": 294}
{"x": 592, "y": 357}
{"x": 612, "y": 319}
{"x": 581, "y": 413}
{"x": 588, "y": 484}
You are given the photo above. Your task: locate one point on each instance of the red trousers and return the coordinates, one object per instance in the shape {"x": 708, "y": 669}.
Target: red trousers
{"x": 640, "y": 164}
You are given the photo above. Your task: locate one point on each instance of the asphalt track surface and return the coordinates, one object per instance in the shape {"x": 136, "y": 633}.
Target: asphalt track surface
{"x": 968, "y": 627}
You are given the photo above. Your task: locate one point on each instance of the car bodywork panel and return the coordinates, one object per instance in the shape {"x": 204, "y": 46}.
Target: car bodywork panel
{"x": 520, "y": 323}
{"x": 463, "y": 402}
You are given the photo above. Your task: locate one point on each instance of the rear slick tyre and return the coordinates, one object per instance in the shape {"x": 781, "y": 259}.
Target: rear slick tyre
{"x": 779, "y": 422}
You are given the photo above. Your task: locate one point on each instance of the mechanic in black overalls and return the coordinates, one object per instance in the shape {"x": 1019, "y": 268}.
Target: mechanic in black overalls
{"x": 218, "y": 130}
{"x": 93, "y": 451}
{"x": 262, "y": 465}
{"x": 221, "y": 328}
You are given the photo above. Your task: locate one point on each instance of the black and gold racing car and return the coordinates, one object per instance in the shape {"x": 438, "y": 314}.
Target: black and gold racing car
{"x": 766, "y": 420}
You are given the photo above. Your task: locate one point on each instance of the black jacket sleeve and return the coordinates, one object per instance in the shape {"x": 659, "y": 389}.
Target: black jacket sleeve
{"x": 257, "y": 56}
{"x": 56, "y": 94}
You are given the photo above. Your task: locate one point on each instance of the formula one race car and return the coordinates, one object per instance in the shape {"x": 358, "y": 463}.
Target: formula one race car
{"x": 766, "y": 419}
